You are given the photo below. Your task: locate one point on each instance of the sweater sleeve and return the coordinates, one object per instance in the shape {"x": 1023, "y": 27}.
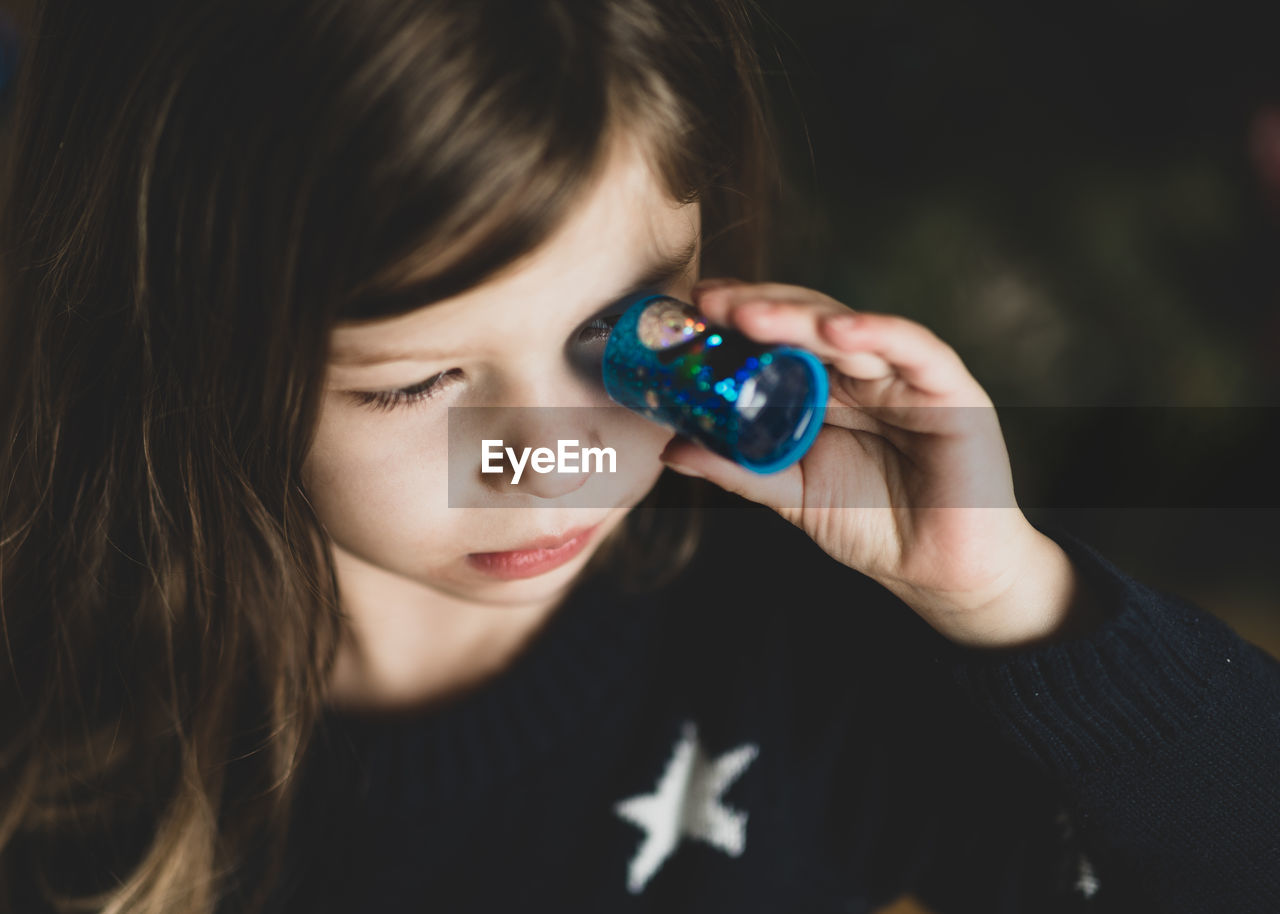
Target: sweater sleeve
{"x": 1160, "y": 728}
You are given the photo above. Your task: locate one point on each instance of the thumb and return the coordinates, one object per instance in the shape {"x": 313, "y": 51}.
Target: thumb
{"x": 784, "y": 489}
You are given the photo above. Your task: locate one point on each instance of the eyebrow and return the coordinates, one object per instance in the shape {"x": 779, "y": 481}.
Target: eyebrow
{"x": 659, "y": 273}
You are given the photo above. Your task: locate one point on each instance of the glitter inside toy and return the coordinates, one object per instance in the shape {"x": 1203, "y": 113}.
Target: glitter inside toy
{"x": 760, "y": 405}
{"x": 666, "y": 323}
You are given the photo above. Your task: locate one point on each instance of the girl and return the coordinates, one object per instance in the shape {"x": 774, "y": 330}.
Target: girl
{"x": 255, "y": 255}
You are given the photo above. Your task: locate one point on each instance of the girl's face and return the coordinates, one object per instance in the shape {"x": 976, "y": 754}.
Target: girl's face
{"x": 379, "y": 473}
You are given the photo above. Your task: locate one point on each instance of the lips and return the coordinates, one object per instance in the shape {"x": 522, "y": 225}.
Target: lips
{"x": 546, "y": 542}
{"x": 534, "y": 557}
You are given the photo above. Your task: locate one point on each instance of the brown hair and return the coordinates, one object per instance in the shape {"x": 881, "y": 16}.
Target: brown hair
{"x": 196, "y": 192}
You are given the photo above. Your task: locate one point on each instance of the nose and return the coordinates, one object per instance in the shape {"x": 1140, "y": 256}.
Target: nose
{"x": 534, "y": 437}
{"x": 533, "y": 470}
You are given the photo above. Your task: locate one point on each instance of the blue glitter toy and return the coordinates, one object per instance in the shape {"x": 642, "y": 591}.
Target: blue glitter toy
{"x": 757, "y": 404}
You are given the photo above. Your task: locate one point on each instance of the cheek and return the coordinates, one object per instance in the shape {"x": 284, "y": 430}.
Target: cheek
{"x": 374, "y": 484}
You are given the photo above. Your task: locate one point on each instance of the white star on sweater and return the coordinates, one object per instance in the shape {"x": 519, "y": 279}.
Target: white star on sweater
{"x": 687, "y": 802}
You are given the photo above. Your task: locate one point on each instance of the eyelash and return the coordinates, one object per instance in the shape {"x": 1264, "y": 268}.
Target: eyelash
{"x": 415, "y": 393}
{"x": 386, "y": 400}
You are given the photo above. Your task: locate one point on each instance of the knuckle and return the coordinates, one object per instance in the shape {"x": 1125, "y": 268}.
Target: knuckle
{"x": 921, "y": 333}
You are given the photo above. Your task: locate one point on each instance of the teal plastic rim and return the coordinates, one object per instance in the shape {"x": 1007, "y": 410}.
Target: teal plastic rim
{"x": 815, "y": 405}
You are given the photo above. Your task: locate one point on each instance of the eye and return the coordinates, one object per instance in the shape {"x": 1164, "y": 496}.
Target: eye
{"x": 598, "y": 328}
{"x": 595, "y": 330}
{"x": 404, "y": 396}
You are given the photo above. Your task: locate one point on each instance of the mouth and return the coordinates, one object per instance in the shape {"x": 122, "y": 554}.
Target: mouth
{"x": 535, "y": 557}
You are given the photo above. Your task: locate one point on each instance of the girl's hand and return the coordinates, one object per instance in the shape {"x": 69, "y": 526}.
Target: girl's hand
{"x": 908, "y": 481}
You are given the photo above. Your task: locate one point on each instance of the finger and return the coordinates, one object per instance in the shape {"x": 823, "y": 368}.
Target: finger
{"x": 861, "y": 345}
{"x": 717, "y": 300}
{"x": 854, "y": 418}
{"x": 798, "y": 323}
{"x": 911, "y": 350}
{"x": 864, "y": 366}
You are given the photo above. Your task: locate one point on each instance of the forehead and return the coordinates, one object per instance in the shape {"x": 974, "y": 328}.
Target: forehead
{"x": 625, "y": 229}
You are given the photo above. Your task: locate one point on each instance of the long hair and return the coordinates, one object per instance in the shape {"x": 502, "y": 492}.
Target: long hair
{"x": 195, "y": 194}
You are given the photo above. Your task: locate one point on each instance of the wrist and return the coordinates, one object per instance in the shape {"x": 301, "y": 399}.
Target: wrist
{"x": 1044, "y": 600}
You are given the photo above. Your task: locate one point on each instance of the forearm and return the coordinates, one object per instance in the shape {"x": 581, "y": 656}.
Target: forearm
{"x": 1164, "y": 726}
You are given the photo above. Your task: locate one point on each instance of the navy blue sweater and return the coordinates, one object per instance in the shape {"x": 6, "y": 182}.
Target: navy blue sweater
{"x": 774, "y": 732}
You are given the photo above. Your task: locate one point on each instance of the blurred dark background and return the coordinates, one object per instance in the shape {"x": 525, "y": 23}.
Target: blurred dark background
{"x": 1084, "y": 200}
